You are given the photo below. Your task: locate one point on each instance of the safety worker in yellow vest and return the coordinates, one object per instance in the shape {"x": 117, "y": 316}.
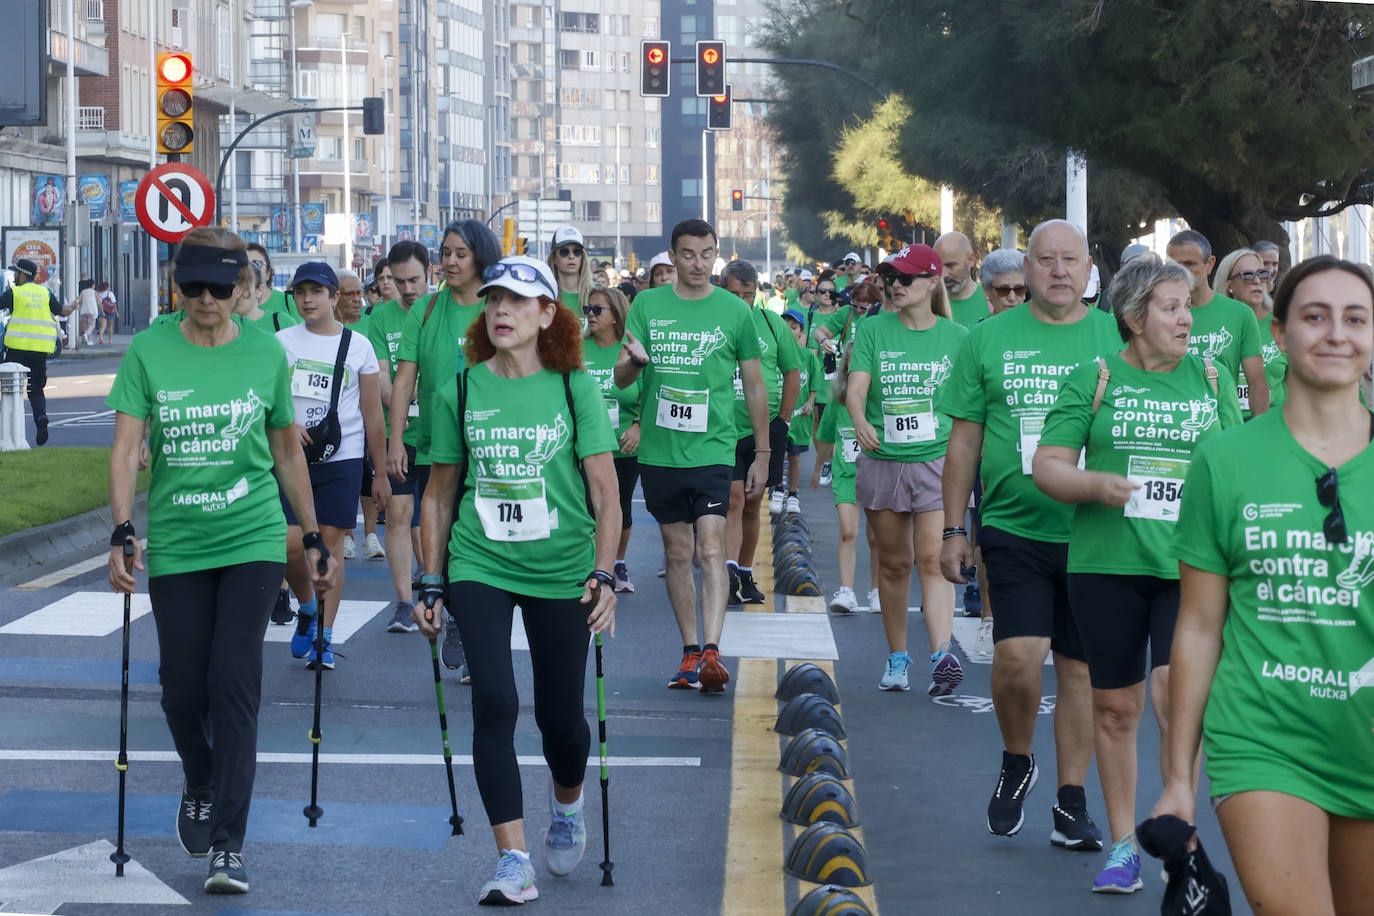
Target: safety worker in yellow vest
{"x": 31, "y": 334}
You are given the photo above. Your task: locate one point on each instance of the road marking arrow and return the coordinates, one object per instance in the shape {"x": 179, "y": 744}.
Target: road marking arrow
{"x": 82, "y": 874}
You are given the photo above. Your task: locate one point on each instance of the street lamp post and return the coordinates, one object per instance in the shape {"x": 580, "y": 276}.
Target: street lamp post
{"x": 386, "y": 146}
{"x": 297, "y": 210}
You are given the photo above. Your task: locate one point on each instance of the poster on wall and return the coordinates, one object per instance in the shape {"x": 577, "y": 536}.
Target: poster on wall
{"x": 429, "y": 236}
{"x": 128, "y": 212}
{"x": 405, "y": 233}
{"x": 312, "y": 218}
{"x": 40, "y": 246}
{"x": 280, "y": 219}
{"x": 49, "y": 200}
{"x": 362, "y": 229}
{"x": 94, "y": 191}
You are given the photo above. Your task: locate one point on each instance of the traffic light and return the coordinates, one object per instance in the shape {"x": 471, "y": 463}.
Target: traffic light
{"x": 710, "y": 68}
{"x": 885, "y": 238}
{"x": 374, "y": 115}
{"x": 736, "y": 198}
{"x": 521, "y": 244}
{"x": 718, "y": 111}
{"x": 655, "y": 60}
{"x": 175, "y": 106}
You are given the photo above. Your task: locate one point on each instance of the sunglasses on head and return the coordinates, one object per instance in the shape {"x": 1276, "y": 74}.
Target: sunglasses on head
{"x": 220, "y": 291}
{"x": 567, "y": 251}
{"x": 522, "y": 272}
{"x": 594, "y": 309}
{"x": 1019, "y": 290}
{"x": 1328, "y": 494}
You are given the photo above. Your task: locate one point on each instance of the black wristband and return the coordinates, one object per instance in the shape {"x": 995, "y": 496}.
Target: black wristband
{"x": 430, "y": 593}
{"x": 313, "y": 541}
{"x": 641, "y": 363}
{"x": 600, "y": 575}
{"x": 953, "y": 533}
{"x": 122, "y": 533}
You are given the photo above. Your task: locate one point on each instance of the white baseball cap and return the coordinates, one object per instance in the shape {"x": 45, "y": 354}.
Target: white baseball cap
{"x": 853, "y": 256}
{"x": 660, "y": 258}
{"x": 565, "y": 234}
{"x": 527, "y": 277}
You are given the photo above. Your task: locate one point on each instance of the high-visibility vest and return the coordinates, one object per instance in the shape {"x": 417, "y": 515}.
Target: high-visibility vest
{"x": 32, "y": 326}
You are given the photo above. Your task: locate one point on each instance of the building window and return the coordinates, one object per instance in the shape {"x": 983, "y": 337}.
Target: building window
{"x": 650, "y": 26}
{"x": 691, "y": 187}
{"x": 329, "y": 27}
{"x": 309, "y": 87}
{"x": 329, "y": 149}
{"x": 579, "y": 22}
{"x": 587, "y": 211}
{"x": 651, "y": 211}
{"x": 359, "y": 150}
{"x": 579, "y": 134}
{"x": 651, "y": 137}
{"x": 624, "y": 63}
{"x": 578, "y": 173}
{"x": 624, "y": 100}
{"x": 568, "y": 59}
{"x": 651, "y": 174}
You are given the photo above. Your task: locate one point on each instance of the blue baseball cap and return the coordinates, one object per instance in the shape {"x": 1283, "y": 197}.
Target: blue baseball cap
{"x": 796, "y": 316}
{"x": 317, "y": 272}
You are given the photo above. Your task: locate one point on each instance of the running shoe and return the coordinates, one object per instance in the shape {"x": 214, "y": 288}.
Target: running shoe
{"x": 793, "y": 505}
{"x": 565, "y": 841}
{"x": 946, "y": 674}
{"x": 844, "y": 601}
{"x": 193, "y": 821}
{"x": 712, "y": 675}
{"x": 227, "y": 874}
{"x": 402, "y": 621}
{"x": 350, "y": 549}
{"x": 775, "y": 501}
{"x": 826, "y": 476}
{"x": 734, "y": 596}
{"x": 514, "y": 881}
{"x": 452, "y": 649}
{"x": 42, "y": 425}
{"x": 873, "y": 605}
{"x": 622, "y": 577}
{"x": 328, "y": 656}
{"x": 281, "y": 611}
{"x": 749, "y": 590}
{"x": 1073, "y": 828}
{"x": 1005, "y": 810}
{"x": 894, "y": 674}
{"x": 1121, "y": 874}
{"x": 662, "y": 568}
{"x": 973, "y": 599}
{"x": 686, "y": 677}
{"x": 372, "y": 547}
{"x": 304, "y": 637}
{"x": 464, "y": 673}
{"x": 983, "y": 646}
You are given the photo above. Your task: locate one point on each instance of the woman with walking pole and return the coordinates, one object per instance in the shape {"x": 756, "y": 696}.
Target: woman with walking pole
{"x": 522, "y": 438}
{"x": 216, "y": 397}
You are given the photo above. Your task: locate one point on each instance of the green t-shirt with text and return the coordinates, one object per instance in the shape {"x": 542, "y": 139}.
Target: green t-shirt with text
{"x": 908, "y": 369}
{"x": 1007, "y": 377}
{"x": 1145, "y": 429}
{"x": 212, "y": 499}
{"x": 799, "y": 428}
{"x": 968, "y": 312}
{"x": 1292, "y": 701}
{"x": 1275, "y": 366}
{"x": 622, "y": 404}
{"x": 435, "y": 345}
{"x": 384, "y": 330}
{"x": 523, "y": 519}
{"x": 779, "y": 354}
{"x": 837, "y": 428}
{"x": 1226, "y": 332}
{"x": 687, "y": 390}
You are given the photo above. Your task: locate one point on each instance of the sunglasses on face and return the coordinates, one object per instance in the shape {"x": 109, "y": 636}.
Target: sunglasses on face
{"x": 569, "y": 252}
{"x": 1005, "y": 291}
{"x": 848, "y": 262}
{"x": 825, "y": 292}
{"x": 594, "y": 309}
{"x": 1251, "y": 276}
{"x": 220, "y": 291}
{"x": 522, "y": 272}
{"x": 1328, "y": 494}
{"x": 908, "y": 279}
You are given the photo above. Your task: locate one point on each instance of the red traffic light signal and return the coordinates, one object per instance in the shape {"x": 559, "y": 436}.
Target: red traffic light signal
{"x": 718, "y": 111}
{"x": 710, "y": 68}
{"x": 736, "y": 198}
{"x": 655, "y": 58}
{"x": 882, "y": 226}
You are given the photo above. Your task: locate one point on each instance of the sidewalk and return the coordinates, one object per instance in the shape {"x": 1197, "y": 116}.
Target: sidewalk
{"x": 100, "y": 351}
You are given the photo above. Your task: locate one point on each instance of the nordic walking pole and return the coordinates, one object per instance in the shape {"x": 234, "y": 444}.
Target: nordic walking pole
{"x": 119, "y": 856}
{"x": 606, "y": 864}
{"x": 313, "y": 811}
{"x": 456, "y": 820}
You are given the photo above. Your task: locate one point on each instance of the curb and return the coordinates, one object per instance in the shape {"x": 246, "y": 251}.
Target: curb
{"x": 108, "y": 352}
{"x": 36, "y": 549}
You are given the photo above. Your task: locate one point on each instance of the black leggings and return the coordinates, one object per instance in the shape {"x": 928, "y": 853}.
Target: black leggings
{"x": 627, "y": 474}
{"x": 557, "y": 633}
{"x": 1117, "y": 618}
{"x": 210, "y": 627}
{"x": 38, "y": 378}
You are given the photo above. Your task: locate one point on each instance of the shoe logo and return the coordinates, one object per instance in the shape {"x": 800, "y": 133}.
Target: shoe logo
{"x": 711, "y": 341}
{"x": 1204, "y": 414}
{"x": 548, "y": 438}
{"x": 1361, "y": 571}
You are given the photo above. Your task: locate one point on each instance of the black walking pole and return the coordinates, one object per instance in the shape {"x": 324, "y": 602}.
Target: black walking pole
{"x": 313, "y": 811}
{"x": 456, "y": 820}
{"x": 119, "y": 856}
{"x": 606, "y": 864}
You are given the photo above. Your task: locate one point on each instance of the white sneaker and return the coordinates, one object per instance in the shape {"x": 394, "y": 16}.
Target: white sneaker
{"x": 873, "y": 606}
{"x": 845, "y": 601}
{"x": 983, "y": 645}
{"x": 514, "y": 881}
{"x": 775, "y": 501}
{"x": 793, "y": 505}
{"x": 372, "y": 547}
{"x": 350, "y": 549}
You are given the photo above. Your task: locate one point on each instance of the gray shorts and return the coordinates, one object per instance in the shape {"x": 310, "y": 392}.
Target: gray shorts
{"x": 899, "y": 486}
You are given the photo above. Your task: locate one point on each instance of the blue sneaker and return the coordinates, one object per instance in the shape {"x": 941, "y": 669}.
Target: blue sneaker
{"x": 946, "y": 674}
{"x": 894, "y": 676}
{"x": 973, "y": 599}
{"x": 686, "y": 677}
{"x": 1121, "y": 875}
{"x": 304, "y": 637}
{"x": 328, "y": 658}
{"x": 565, "y": 841}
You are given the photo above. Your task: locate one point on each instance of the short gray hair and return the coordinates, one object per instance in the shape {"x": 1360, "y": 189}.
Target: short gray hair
{"x": 345, "y": 272}
{"x": 1192, "y": 237}
{"x": 1002, "y": 261}
{"x": 1264, "y": 245}
{"x": 1135, "y": 282}
{"x": 743, "y": 271}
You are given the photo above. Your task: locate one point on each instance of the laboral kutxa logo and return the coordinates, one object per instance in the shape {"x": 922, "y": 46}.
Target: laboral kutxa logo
{"x": 1323, "y": 683}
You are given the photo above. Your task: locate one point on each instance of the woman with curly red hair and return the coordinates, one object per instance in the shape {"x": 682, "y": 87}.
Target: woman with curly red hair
{"x": 522, "y": 439}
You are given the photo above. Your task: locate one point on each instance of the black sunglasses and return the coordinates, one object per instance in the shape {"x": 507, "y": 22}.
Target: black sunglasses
{"x": 220, "y": 291}
{"x": 565, "y": 252}
{"x": 1008, "y": 290}
{"x": 1328, "y": 494}
{"x": 594, "y": 309}
{"x": 908, "y": 279}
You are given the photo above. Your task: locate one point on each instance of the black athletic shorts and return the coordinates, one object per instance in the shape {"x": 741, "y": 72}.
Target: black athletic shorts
{"x": 777, "y": 442}
{"x": 1028, "y": 582}
{"x": 366, "y": 488}
{"x": 626, "y": 474}
{"x": 1117, "y": 617}
{"x": 407, "y": 486}
{"x": 685, "y": 494}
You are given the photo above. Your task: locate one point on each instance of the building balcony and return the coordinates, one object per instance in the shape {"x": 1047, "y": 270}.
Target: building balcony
{"x": 88, "y": 59}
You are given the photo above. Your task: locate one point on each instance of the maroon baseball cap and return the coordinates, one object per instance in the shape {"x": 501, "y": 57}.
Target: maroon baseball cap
{"x": 912, "y": 260}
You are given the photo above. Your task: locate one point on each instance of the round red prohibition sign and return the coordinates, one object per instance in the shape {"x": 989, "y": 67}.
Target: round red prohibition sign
{"x": 173, "y": 199}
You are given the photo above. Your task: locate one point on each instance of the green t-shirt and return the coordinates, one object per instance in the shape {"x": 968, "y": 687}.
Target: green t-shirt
{"x": 837, "y": 428}
{"x": 384, "y": 328}
{"x": 1293, "y": 697}
{"x": 622, "y": 404}
{"x": 1146, "y": 429}
{"x": 970, "y": 311}
{"x": 687, "y": 398}
{"x": 908, "y": 369}
{"x": 436, "y": 346}
{"x": 799, "y": 428}
{"x": 212, "y": 500}
{"x": 523, "y": 520}
{"x": 1275, "y": 366}
{"x": 361, "y": 325}
{"x": 1007, "y": 377}
{"x": 842, "y": 325}
{"x": 780, "y": 354}
{"x": 1226, "y": 331}
{"x": 272, "y": 322}
{"x": 278, "y": 301}
{"x": 841, "y": 280}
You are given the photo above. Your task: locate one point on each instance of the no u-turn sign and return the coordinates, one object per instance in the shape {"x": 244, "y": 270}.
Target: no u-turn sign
{"x": 173, "y": 199}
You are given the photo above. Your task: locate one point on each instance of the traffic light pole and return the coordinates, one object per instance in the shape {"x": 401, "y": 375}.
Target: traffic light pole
{"x": 791, "y": 61}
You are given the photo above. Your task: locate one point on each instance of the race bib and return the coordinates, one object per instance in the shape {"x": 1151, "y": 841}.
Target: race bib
{"x": 512, "y": 510}
{"x": 849, "y": 446}
{"x": 907, "y": 420}
{"x": 1243, "y": 393}
{"x": 683, "y": 409}
{"x": 1161, "y": 490}
{"x": 414, "y": 409}
{"x": 613, "y": 411}
{"x": 312, "y": 380}
{"x": 1031, "y": 427}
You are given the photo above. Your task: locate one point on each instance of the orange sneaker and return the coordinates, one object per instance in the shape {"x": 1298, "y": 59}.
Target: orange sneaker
{"x": 686, "y": 677}
{"x": 712, "y": 673}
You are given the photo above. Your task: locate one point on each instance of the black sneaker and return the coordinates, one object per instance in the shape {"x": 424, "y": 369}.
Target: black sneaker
{"x": 193, "y": 821}
{"x": 734, "y": 597}
{"x": 452, "y": 650}
{"x": 227, "y": 874}
{"x": 1019, "y": 774}
{"x": 42, "y": 424}
{"x": 748, "y": 591}
{"x": 281, "y": 611}
{"x": 1073, "y": 829}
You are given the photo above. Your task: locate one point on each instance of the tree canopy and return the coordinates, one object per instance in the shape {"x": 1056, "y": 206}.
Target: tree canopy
{"x": 1234, "y": 114}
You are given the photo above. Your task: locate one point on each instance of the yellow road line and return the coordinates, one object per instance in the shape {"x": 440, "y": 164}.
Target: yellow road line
{"x": 753, "y": 846}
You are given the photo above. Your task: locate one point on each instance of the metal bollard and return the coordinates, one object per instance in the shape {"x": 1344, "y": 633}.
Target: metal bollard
{"x": 13, "y": 384}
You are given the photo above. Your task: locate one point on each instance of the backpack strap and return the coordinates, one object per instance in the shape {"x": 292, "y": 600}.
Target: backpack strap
{"x": 339, "y": 360}
{"x": 572, "y": 415}
{"x": 276, "y": 321}
{"x": 1104, "y": 376}
{"x": 1210, "y": 369}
